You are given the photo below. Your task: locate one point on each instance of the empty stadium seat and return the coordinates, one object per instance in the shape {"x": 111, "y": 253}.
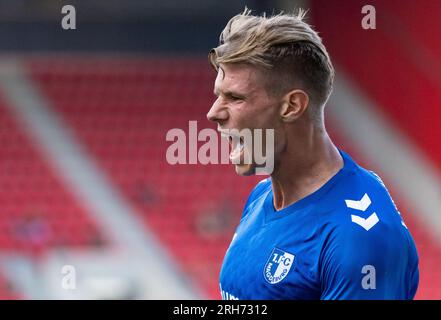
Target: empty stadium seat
{"x": 37, "y": 211}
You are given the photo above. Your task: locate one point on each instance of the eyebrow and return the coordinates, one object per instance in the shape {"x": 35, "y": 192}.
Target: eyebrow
{"x": 228, "y": 93}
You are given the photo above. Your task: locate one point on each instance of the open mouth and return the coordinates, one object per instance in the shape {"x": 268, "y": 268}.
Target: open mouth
{"x": 237, "y": 146}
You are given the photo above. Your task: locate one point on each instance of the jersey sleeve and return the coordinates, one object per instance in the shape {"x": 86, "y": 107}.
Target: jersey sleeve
{"x": 374, "y": 265}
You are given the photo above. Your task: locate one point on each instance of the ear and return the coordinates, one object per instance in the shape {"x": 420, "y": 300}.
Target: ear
{"x": 294, "y": 105}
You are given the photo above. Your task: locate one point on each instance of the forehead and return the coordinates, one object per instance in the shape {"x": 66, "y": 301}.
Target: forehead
{"x": 238, "y": 77}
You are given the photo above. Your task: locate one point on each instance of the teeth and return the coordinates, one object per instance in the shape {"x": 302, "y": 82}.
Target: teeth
{"x": 236, "y": 152}
{"x": 238, "y": 144}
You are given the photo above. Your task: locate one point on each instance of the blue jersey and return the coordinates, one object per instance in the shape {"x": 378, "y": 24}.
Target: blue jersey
{"x": 346, "y": 240}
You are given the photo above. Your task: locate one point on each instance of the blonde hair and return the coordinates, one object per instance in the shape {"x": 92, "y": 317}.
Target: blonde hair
{"x": 284, "y": 44}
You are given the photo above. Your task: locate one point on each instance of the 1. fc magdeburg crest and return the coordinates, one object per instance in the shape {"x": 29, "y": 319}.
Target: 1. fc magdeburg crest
{"x": 278, "y": 266}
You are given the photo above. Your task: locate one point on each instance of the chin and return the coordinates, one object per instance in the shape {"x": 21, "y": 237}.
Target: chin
{"x": 245, "y": 169}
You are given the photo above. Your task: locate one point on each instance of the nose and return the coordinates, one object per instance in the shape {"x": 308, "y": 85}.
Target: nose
{"x": 217, "y": 113}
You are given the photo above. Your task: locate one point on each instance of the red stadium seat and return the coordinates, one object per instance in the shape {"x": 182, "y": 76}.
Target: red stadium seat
{"x": 38, "y": 212}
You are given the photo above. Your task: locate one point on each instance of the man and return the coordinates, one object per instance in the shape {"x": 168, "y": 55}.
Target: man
{"x": 321, "y": 227}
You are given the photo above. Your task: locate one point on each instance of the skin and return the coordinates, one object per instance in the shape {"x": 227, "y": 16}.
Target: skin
{"x": 305, "y": 157}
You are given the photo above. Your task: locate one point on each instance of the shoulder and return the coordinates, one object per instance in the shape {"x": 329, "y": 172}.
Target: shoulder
{"x": 261, "y": 187}
{"x": 361, "y": 200}
{"x": 371, "y": 197}
{"x": 362, "y": 217}
{"x": 363, "y": 235}
{"x": 363, "y": 227}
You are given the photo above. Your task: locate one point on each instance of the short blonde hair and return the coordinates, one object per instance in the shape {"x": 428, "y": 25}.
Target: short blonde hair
{"x": 284, "y": 44}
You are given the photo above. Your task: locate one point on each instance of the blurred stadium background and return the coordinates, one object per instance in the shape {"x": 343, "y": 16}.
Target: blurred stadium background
{"x": 84, "y": 180}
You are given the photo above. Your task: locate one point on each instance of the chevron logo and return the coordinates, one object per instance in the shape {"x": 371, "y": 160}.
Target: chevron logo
{"x": 361, "y": 205}
{"x": 368, "y": 223}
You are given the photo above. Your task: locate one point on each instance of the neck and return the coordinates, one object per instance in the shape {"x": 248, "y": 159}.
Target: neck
{"x": 304, "y": 166}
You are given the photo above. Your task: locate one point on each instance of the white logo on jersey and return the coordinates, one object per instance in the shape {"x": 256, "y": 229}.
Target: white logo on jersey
{"x": 368, "y": 223}
{"x": 362, "y": 205}
{"x": 278, "y": 266}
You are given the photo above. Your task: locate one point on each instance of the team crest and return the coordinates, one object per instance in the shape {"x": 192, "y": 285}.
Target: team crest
{"x": 278, "y": 266}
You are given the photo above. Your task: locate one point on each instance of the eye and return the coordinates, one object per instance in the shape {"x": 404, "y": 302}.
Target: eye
{"x": 235, "y": 98}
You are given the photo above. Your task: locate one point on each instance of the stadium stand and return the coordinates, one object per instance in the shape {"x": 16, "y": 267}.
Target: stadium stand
{"x": 122, "y": 109}
{"x": 37, "y": 209}
{"x": 408, "y": 88}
